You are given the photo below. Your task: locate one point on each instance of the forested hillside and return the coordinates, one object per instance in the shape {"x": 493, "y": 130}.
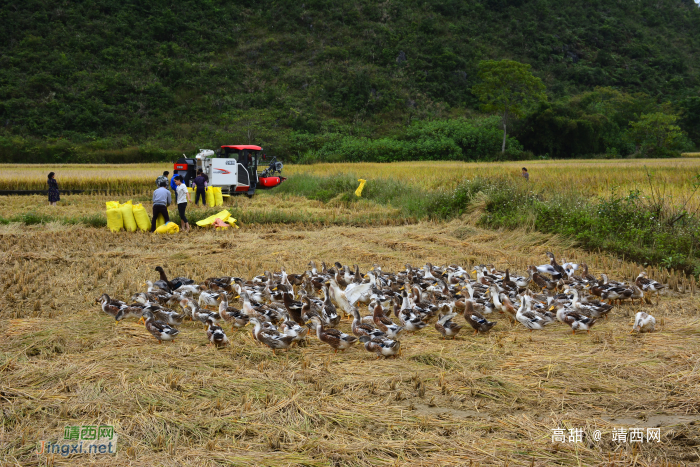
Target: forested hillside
{"x": 132, "y": 79}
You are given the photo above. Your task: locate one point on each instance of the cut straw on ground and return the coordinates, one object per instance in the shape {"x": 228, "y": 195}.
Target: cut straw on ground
{"x": 486, "y": 400}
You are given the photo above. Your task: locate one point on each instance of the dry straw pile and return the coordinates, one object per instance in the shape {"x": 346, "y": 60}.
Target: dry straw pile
{"x": 485, "y": 400}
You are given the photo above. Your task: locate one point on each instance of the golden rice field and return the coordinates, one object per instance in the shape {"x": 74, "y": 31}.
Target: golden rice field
{"x": 676, "y": 177}
{"x": 488, "y": 400}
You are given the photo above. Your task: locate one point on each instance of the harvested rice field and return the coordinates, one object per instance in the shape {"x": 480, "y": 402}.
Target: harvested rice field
{"x": 487, "y": 400}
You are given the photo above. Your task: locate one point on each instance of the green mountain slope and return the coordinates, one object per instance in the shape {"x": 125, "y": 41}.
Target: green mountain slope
{"x": 111, "y": 74}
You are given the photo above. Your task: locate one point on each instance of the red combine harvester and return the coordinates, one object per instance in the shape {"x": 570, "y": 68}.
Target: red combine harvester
{"x": 233, "y": 168}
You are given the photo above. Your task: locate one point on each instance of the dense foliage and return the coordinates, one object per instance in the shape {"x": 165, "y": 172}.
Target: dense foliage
{"x": 448, "y": 139}
{"x": 603, "y": 121}
{"x": 96, "y": 80}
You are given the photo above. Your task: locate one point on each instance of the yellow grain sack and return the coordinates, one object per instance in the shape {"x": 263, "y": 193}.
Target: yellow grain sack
{"x": 143, "y": 222}
{"x": 128, "y": 216}
{"x": 169, "y": 228}
{"x": 112, "y": 204}
{"x": 358, "y": 192}
{"x": 223, "y": 215}
{"x": 210, "y": 196}
{"x": 218, "y": 197}
{"x": 232, "y": 222}
{"x": 160, "y": 221}
{"x": 114, "y": 219}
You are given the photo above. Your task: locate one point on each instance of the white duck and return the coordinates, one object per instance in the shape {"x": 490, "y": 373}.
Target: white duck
{"x": 644, "y": 322}
{"x": 527, "y": 317}
{"x": 209, "y": 299}
{"x": 339, "y": 298}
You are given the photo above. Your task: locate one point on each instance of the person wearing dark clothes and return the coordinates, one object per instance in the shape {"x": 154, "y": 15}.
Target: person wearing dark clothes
{"x": 200, "y": 184}
{"x": 526, "y": 174}
{"x": 161, "y": 201}
{"x": 54, "y": 195}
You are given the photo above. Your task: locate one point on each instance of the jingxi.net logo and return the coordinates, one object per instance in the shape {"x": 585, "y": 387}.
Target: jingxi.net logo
{"x": 82, "y": 439}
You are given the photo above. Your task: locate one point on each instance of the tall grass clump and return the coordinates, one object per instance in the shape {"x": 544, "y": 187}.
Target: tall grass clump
{"x": 413, "y": 201}
{"x": 319, "y": 188}
{"x": 649, "y": 230}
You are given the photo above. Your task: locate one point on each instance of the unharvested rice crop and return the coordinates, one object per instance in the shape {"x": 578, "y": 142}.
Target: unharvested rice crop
{"x": 677, "y": 178}
{"x": 478, "y": 400}
{"x": 119, "y": 178}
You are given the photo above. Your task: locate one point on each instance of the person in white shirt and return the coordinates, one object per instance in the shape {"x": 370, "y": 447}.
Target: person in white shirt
{"x": 183, "y": 196}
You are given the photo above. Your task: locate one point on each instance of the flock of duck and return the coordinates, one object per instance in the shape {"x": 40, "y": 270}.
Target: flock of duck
{"x": 283, "y": 308}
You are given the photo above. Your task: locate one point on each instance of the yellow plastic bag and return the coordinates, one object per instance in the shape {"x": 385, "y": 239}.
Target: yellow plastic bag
{"x": 112, "y": 204}
{"x": 209, "y": 195}
{"x": 223, "y": 215}
{"x": 190, "y": 190}
{"x": 358, "y": 192}
{"x": 128, "y": 216}
{"x": 169, "y": 228}
{"x": 143, "y": 222}
{"x": 160, "y": 221}
{"x": 114, "y": 219}
{"x": 232, "y": 222}
{"x": 218, "y": 196}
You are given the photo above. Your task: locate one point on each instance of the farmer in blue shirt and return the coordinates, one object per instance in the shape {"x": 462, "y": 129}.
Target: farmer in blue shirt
{"x": 172, "y": 182}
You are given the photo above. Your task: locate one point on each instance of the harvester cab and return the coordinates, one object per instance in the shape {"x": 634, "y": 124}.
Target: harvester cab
{"x": 238, "y": 169}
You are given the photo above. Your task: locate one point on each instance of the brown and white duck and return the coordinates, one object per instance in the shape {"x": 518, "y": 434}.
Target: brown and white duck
{"x": 175, "y": 283}
{"x": 363, "y": 329}
{"x": 230, "y": 314}
{"x": 648, "y": 285}
{"x": 447, "y": 327}
{"x": 158, "y": 329}
{"x": 382, "y": 346}
{"x": 475, "y": 319}
{"x": 216, "y": 335}
{"x": 383, "y": 323}
{"x": 333, "y": 337}
{"x": 273, "y": 339}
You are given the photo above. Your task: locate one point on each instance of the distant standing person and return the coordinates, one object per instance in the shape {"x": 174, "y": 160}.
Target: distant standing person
{"x": 162, "y": 178}
{"x": 54, "y": 195}
{"x": 183, "y": 196}
{"x": 200, "y": 184}
{"x": 161, "y": 201}
{"x": 173, "y": 185}
{"x": 526, "y": 175}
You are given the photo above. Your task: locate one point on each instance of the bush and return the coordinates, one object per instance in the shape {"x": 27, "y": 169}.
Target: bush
{"x": 627, "y": 225}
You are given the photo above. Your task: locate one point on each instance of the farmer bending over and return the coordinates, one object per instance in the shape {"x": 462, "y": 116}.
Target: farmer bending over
{"x": 161, "y": 201}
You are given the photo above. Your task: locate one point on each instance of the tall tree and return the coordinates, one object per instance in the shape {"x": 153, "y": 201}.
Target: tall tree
{"x": 657, "y": 135}
{"x": 508, "y": 88}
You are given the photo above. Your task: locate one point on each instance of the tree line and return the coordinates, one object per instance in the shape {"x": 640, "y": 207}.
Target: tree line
{"x": 129, "y": 80}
